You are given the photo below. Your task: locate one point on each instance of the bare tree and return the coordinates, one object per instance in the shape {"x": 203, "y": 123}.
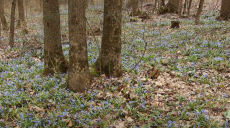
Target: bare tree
{"x": 21, "y": 13}
{"x": 180, "y": 7}
{"x": 79, "y": 76}
{"x": 185, "y": 6}
{"x": 53, "y": 55}
{"x": 197, "y": 18}
{"x": 189, "y": 7}
{"x": 2, "y": 16}
{"x": 225, "y": 10}
{"x": 12, "y": 22}
{"x": 109, "y": 60}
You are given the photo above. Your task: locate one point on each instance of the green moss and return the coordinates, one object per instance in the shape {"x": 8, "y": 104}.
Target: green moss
{"x": 94, "y": 72}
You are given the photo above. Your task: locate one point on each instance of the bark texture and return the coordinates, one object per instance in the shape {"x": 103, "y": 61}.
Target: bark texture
{"x": 79, "y": 76}
{"x": 53, "y": 55}
{"x": 225, "y": 10}
{"x": 2, "y": 16}
{"x": 197, "y": 18}
{"x": 109, "y": 61}
{"x": 21, "y": 13}
{"x": 171, "y": 7}
{"x": 12, "y": 22}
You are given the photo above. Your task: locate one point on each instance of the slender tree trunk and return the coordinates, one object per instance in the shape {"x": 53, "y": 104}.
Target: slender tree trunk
{"x": 79, "y": 76}
{"x": 185, "y": 6}
{"x": 162, "y": 3}
{"x": 0, "y": 31}
{"x": 135, "y": 9}
{"x": 53, "y": 54}
{"x": 12, "y": 22}
{"x": 2, "y": 16}
{"x": 225, "y": 10}
{"x": 180, "y": 7}
{"x": 197, "y": 18}
{"x": 155, "y": 5}
{"x": 129, "y": 3}
{"x": 189, "y": 7}
{"x": 21, "y": 12}
{"x": 109, "y": 61}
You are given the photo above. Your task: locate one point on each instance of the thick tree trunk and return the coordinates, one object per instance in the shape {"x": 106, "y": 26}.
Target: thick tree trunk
{"x": 79, "y": 76}
{"x": 225, "y": 10}
{"x": 197, "y": 18}
{"x": 21, "y": 13}
{"x": 53, "y": 54}
{"x": 109, "y": 60}
{"x": 171, "y": 7}
{"x": 12, "y": 22}
{"x": 2, "y": 16}
{"x": 135, "y": 9}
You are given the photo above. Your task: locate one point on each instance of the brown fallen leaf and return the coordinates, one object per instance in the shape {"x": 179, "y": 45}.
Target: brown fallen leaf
{"x": 154, "y": 74}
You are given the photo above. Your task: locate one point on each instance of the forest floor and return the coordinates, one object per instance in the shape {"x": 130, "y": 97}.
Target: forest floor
{"x": 192, "y": 90}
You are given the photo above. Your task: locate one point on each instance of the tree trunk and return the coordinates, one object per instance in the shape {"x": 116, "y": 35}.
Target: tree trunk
{"x": 0, "y": 31}
{"x": 12, "y": 22}
{"x": 180, "y": 7}
{"x": 189, "y": 7}
{"x": 185, "y": 6}
{"x": 135, "y": 10}
{"x": 225, "y": 10}
{"x": 171, "y": 7}
{"x": 155, "y": 5}
{"x": 197, "y": 18}
{"x": 79, "y": 76}
{"x": 21, "y": 13}
{"x": 109, "y": 60}
{"x": 162, "y": 3}
{"x": 129, "y": 3}
{"x": 53, "y": 54}
{"x": 2, "y": 16}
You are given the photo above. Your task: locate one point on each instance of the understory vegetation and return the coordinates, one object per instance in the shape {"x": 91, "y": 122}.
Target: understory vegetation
{"x": 193, "y": 89}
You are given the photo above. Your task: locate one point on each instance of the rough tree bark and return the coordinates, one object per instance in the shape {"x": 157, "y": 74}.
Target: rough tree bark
{"x": 12, "y": 22}
{"x": 21, "y": 13}
{"x": 171, "y": 7}
{"x": 2, "y": 16}
{"x": 225, "y": 10}
{"x": 109, "y": 60}
{"x": 53, "y": 55}
{"x": 197, "y": 18}
{"x": 79, "y": 76}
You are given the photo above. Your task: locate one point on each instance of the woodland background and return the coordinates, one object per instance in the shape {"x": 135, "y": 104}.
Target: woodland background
{"x": 172, "y": 77}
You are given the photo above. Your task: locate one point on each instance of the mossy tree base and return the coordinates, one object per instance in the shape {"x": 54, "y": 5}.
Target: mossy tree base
{"x": 108, "y": 69}
{"x": 60, "y": 68}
